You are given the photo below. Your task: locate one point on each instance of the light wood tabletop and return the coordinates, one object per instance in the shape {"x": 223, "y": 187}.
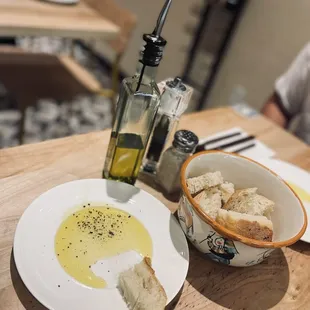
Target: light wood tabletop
{"x": 280, "y": 282}
{"x": 38, "y": 18}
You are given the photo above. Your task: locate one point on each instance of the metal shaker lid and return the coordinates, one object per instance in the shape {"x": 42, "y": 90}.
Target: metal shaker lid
{"x": 185, "y": 141}
{"x": 176, "y": 83}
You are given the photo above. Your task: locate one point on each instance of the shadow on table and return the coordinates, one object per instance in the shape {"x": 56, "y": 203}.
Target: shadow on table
{"x": 257, "y": 287}
{"x": 301, "y": 247}
{"x": 121, "y": 192}
{"x": 25, "y": 297}
{"x": 150, "y": 180}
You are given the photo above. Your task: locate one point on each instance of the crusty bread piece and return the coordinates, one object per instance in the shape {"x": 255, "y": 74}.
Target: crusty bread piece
{"x": 197, "y": 184}
{"x": 249, "y": 202}
{"x": 210, "y": 200}
{"x": 250, "y": 226}
{"x": 227, "y": 189}
{"x": 141, "y": 289}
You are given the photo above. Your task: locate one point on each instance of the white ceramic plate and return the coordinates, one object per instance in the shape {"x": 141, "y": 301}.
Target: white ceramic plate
{"x": 295, "y": 175}
{"x": 63, "y": 1}
{"x": 34, "y": 244}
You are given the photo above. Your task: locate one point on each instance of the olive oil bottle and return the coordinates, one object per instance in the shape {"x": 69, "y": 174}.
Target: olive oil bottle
{"x": 136, "y": 110}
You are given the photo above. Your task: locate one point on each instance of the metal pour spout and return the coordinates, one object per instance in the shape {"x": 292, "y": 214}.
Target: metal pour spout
{"x": 162, "y": 18}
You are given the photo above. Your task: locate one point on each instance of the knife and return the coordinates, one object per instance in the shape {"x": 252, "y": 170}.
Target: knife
{"x": 201, "y": 147}
{"x": 224, "y": 146}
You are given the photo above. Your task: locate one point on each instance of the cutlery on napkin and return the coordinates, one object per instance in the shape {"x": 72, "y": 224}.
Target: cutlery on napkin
{"x": 236, "y": 140}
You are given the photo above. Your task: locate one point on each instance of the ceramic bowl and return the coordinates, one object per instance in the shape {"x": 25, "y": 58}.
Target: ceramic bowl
{"x": 222, "y": 245}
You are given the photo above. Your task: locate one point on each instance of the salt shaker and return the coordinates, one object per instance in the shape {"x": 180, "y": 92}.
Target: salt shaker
{"x": 168, "y": 171}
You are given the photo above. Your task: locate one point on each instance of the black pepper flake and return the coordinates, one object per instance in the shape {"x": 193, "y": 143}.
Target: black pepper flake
{"x": 66, "y": 227}
{"x": 129, "y": 216}
{"x": 58, "y": 285}
{"x": 80, "y": 240}
{"x": 89, "y": 204}
{"x": 83, "y": 206}
{"x": 111, "y": 233}
{"x": 76, "y": 256}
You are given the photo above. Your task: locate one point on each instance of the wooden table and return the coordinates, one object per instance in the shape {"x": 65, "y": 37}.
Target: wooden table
{"x": 37, "y": 18}
{"x": 280, "y": 282}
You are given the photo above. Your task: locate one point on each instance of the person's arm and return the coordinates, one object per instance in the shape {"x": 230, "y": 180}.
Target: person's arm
{"x": 290, "y": 90}
{"x": 273, "y": 111}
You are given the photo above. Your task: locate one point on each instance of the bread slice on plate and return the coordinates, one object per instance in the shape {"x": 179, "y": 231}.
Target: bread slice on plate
{"x": 249, "y": 202}
{"x": 141, "y": 289}
{"x": 250, "y": 226}
{"x": 210, "y": 200}
{"x": 210, "y": 179}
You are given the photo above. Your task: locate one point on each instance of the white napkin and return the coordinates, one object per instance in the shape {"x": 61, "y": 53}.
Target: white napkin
{"x": 260, "y": 150}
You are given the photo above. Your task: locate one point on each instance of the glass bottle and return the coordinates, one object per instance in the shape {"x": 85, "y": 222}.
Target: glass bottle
{"x": 135, "y": 115}
{"x": 136, "y": 110}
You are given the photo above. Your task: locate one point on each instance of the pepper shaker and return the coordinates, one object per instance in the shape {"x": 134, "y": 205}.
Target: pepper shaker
{"x": 169, "y": 168}
{"x": 174, "y": 101}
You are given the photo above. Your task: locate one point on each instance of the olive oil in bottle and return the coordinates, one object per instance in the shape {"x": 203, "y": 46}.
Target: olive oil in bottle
{"x": 127, "y": 158}
{"x": 136, "y": 110}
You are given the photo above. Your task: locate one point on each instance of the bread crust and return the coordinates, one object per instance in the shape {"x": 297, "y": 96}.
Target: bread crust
{"x": 210, "y": 179}
{"x": 141, "y": 281}
{"x": 248, "y": 228}
{"x": 148, "y": 264}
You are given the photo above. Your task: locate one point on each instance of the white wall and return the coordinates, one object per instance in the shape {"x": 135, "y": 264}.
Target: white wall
{"x": 269, "y": 36}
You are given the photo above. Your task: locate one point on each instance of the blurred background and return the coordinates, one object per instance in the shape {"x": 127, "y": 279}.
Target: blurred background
{"x": 227, "y": 50}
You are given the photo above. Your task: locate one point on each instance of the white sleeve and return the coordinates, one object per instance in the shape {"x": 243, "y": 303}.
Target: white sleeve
{"x": 292, "y": 86}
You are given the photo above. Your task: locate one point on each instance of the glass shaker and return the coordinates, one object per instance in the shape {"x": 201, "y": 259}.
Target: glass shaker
{"x": 174, "y": 101}
{"x": 169, "y": 168}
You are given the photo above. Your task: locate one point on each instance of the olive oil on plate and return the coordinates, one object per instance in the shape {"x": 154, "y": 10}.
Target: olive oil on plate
{"x": 96, "y": 233}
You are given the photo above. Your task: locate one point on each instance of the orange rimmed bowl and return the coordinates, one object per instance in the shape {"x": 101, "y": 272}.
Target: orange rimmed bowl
{"x": 222, "y": 245}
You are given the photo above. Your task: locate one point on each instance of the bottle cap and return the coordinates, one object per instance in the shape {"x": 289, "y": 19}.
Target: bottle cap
{"x": 153, "y": 50}
{"x": 154, "y": 47}
{"x": 185, "y": 141}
